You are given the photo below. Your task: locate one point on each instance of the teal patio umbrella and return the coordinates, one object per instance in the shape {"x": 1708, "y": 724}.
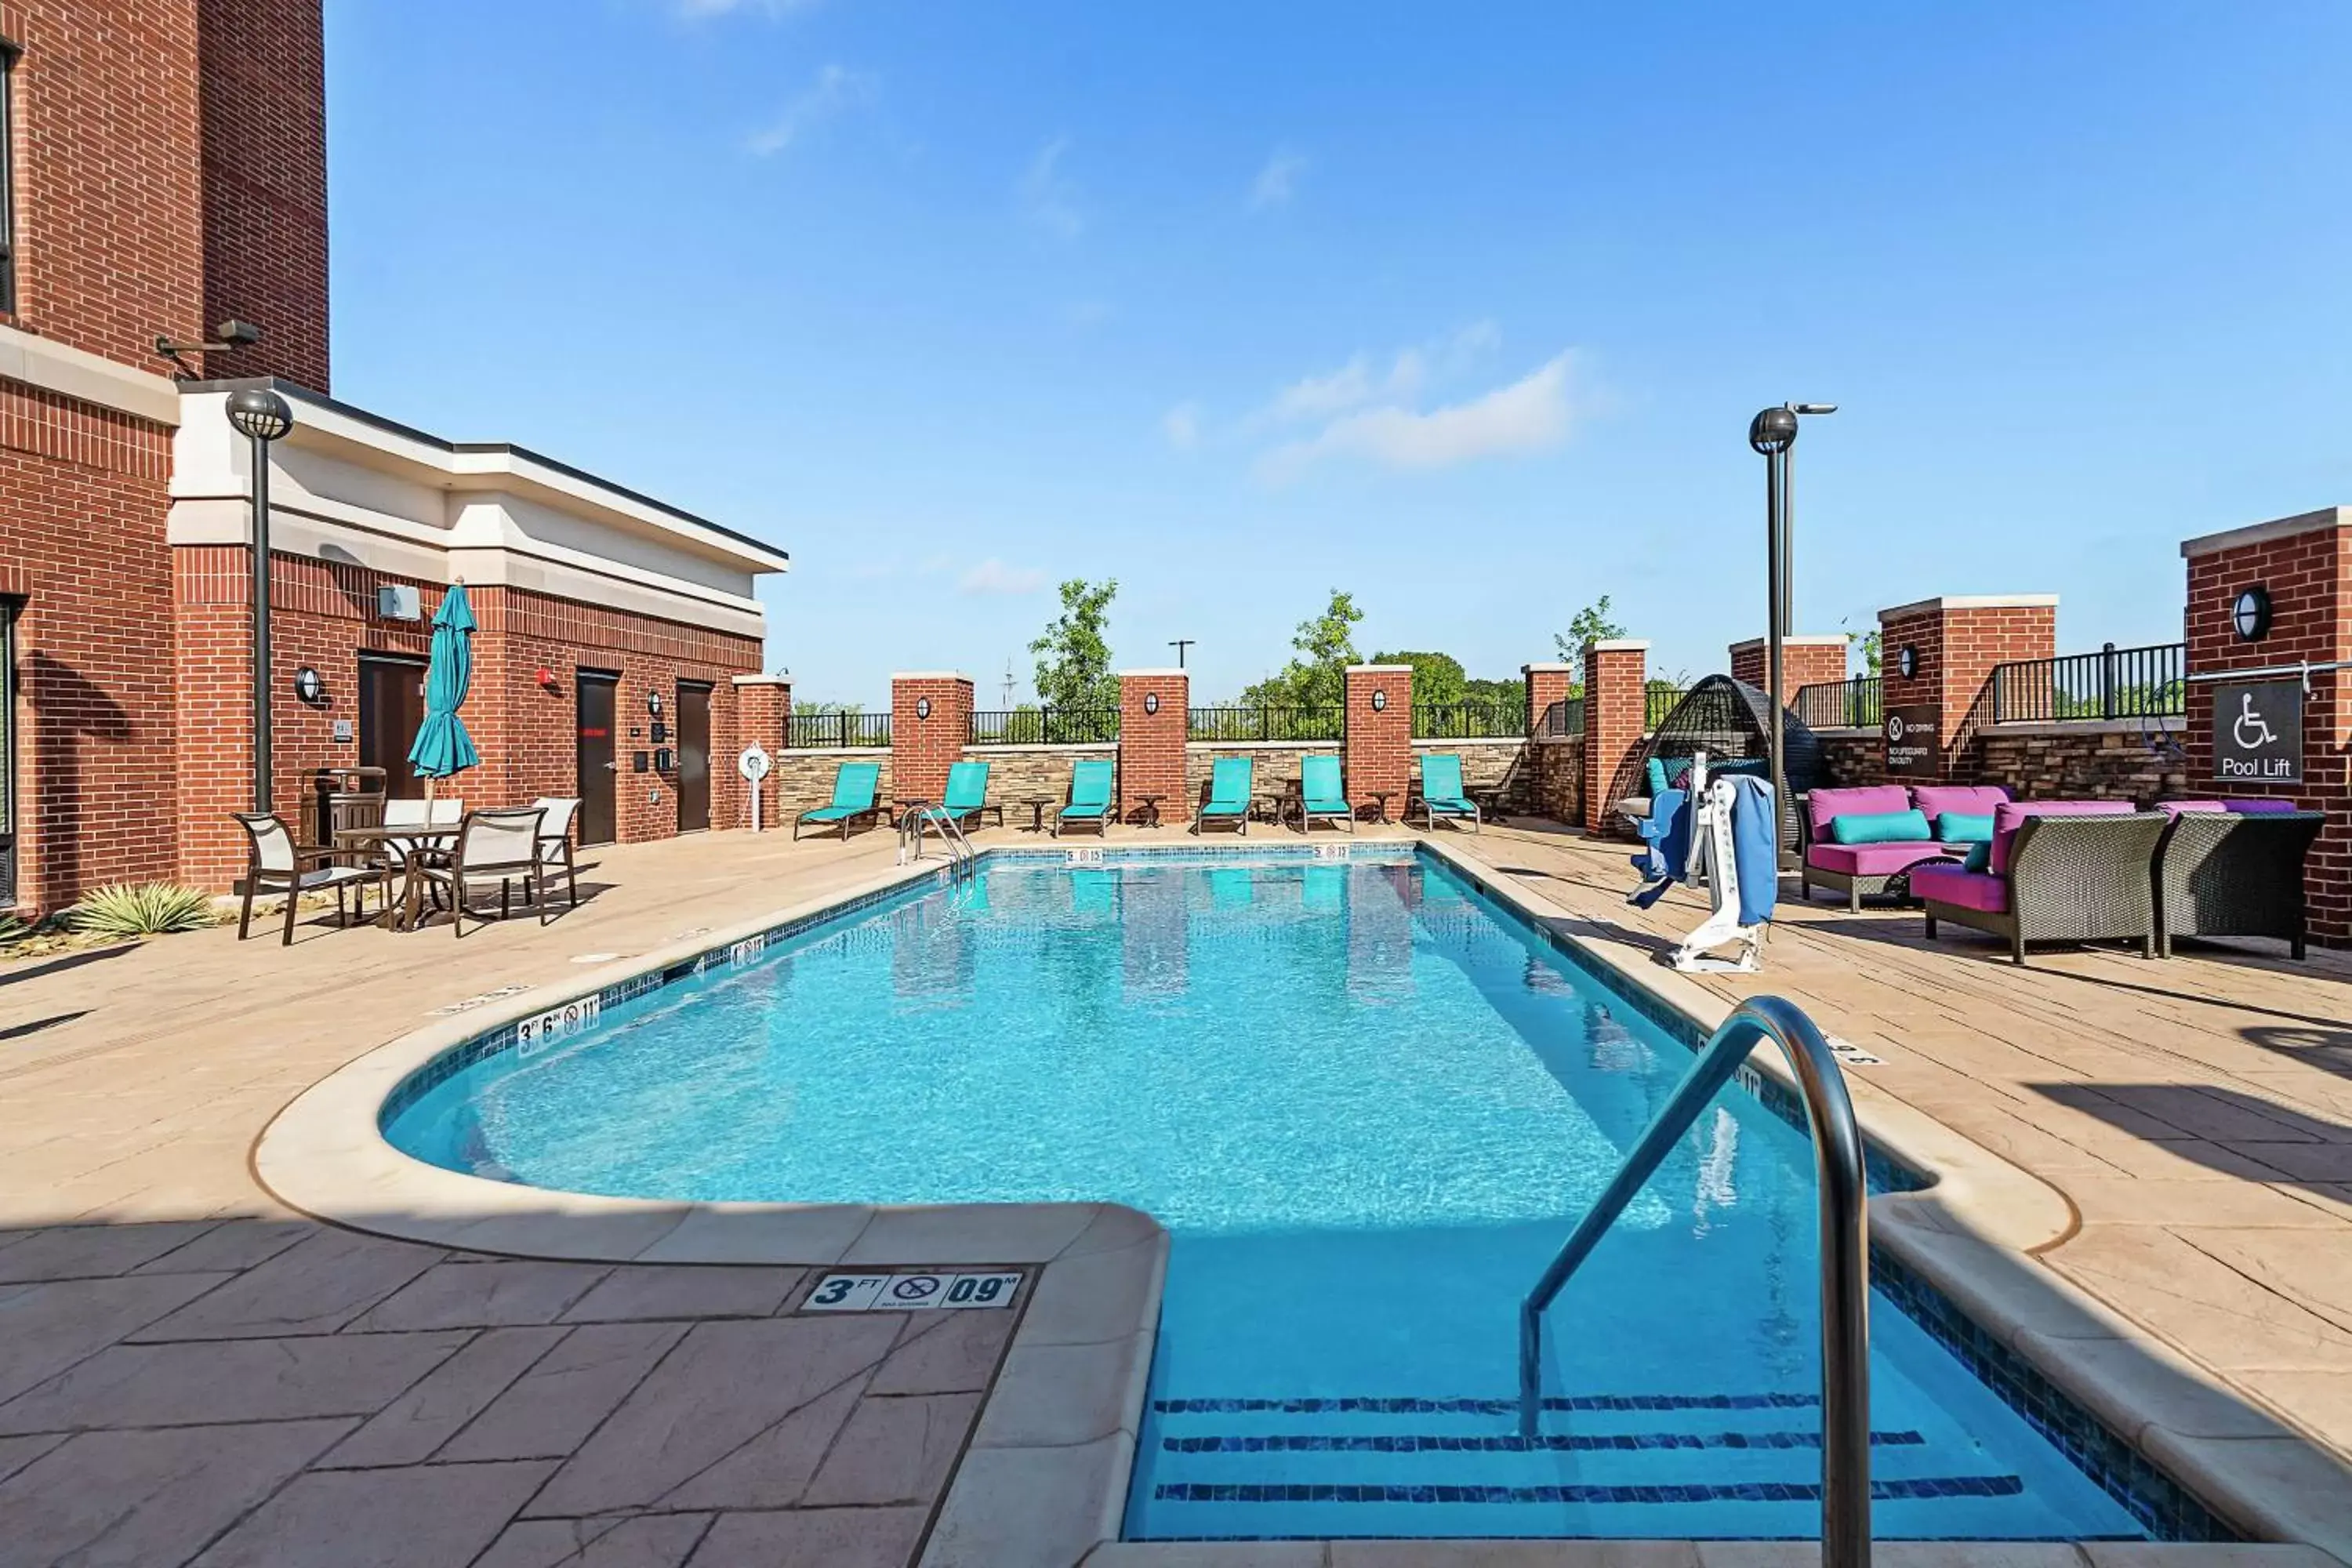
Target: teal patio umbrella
{"x": 442, "y": 746}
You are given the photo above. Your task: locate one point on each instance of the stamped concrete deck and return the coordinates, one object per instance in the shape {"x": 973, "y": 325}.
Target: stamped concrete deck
{"x": 189, "y": 1372}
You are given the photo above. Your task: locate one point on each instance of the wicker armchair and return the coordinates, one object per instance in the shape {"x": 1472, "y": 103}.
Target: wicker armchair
{"x": 2224, "y": 873}
{"x": 2066, "y": 879}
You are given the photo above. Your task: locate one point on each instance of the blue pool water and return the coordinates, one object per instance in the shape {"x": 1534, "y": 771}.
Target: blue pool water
{"x": 1369, "y": 1105}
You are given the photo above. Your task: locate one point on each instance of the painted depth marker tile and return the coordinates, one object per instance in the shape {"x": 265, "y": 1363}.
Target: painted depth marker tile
{"x": 911, "y": 1292}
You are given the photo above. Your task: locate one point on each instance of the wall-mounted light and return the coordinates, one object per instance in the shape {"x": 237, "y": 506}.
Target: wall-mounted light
{"x": 1379, "y": 699}
{"x": 2250, "y": 615}
{"x": 1152, "y": 702}
{"x": 652, "y": 703}
{"x": 1907, "y": 661}
{"x": 308, "y": 686}
{"x": 922, "y": 707}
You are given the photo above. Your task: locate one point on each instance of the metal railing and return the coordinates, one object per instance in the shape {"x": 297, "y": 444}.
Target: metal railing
{"x": 1469, "y": 720}
{"x": 1856, "y": 704}
{"x": 1264, "y": 723}
{"x": 1657, "y": 702}
{"x": 2113, "y": 683}
{"x": 1045, "y": 726}
{"x": 1565, "y": 717}
{"x": 822, "y": 732}
{"x": 1845, "y": 1247}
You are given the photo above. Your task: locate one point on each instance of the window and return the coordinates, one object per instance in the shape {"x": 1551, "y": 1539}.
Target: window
{"x": 7, "y": 178}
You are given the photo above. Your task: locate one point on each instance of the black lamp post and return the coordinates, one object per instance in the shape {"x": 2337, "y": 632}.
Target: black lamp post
{"x": 261, "y": 416}
{"x": 1772, "y": 433}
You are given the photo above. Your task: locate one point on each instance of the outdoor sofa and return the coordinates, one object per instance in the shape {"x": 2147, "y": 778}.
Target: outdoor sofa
{"x": 2056, "y": 870}
{"x": 2233, "y": 868}
{"x": 1860, "y": 841}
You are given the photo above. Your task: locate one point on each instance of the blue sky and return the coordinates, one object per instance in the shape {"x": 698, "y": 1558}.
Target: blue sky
{"x": 1464, "y": 308}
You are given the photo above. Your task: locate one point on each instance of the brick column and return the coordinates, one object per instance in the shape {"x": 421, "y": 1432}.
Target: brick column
{"x": 1614, "y": 700}
{"x": 1377, "y": 751}
{"x": 1152, "y": 706}
{"x": 1809, "y": 658}
{"x": 2304, "y": 564}
{"x": 930, "y": 720}
{"x": 1548, "y": 689}
{"x": 764, "y": 712}
{"x": 1956, "y": 642}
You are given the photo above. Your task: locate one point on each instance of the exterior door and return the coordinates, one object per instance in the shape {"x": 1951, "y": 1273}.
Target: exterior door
{"x": 391, "y": 708}
{"x": 600, "y": 785}
{"x": 693, "y": 757}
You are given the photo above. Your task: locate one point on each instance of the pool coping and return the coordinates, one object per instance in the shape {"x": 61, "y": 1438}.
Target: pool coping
{"x": 1046, "y": 1476}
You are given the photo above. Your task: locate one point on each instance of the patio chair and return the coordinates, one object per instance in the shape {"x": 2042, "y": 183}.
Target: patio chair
{"x": 2226, "y": 868}
{"x": 1850, "y": 842}
{"x": 1320, "y": 797}
{"x": 967, "y": 796}
{"x": 1442, "y": 794}
{"x": 1090, "y": 797}
{"x": 555, "y": 839}
{"x": 853, "y": 787}
{"x": 434, "y": 813}
{"x": 499, "y": 845}
{"x": 2059, "y": 871}
{"x": 276, "y": 864}
{"x": 1230, "y": 779}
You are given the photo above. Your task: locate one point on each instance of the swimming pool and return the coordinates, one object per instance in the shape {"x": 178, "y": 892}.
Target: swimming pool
{"x": 1368, "y": 1104}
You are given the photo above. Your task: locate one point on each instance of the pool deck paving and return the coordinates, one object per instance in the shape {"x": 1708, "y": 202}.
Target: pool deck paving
{"x": 193, "y": 1372}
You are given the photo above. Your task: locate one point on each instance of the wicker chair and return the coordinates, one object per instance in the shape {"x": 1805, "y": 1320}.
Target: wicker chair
{"x": 2068, "y": 878}
{"x": 500, "y": 846}
{"x": 276, "y": 864}
{"x": 2223, "y": 873}
{"x": 1729, "y": 720}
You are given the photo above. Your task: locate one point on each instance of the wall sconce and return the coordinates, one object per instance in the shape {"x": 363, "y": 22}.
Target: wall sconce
{"x": 922, "y": 707}
{"x": 1152, "y": 702}
{"x": 652, "y": 703}
{"x": 545, "y": 676}
{"x": 1906, "y": 662}
{"x": 308, "y": 686}
{"x": 2250, "y": 616}
{"x": 1379, "y": 699}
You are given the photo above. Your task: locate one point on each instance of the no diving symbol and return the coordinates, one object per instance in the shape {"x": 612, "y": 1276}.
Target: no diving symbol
{"x": 914, "y": 1289}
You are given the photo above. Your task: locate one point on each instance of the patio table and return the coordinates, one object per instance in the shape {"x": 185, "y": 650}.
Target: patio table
{"x": 1380, "y": 806}
{"x": 1150, "y": 808}
{"x": 401, "y": 916}
{"x": 1037, "y": 804}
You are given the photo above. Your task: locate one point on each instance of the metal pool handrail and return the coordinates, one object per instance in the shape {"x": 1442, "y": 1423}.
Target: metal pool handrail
{"x": 1845, "y": 1250}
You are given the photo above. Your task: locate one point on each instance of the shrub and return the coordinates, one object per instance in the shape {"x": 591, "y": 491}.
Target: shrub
{"x": 142, "y": 908}
{"x": 12, "y": 930}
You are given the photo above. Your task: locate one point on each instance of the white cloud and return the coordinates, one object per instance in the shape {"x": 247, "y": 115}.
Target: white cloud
{"x": 1533, "y": 414}
{"x": 834, "y": 90}
{"x": 1357, "y": 382}
{"x": 1049, "y": 196}
{"x": 1181, "y": 426}
{"x": 1278, "y": 181}
{"x": 993, "y": 576}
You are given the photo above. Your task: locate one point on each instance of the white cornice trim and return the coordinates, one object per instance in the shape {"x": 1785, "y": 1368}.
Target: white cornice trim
{"x": 78, "y": 373}
{"x": 1974, "y": 602}
{"x": 2261, "y": 533}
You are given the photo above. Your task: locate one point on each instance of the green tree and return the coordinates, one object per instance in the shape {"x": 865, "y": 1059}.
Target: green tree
{"x": 1589, "y": 625}
{"x": 1318, "y": 677}
{"x": 1437, "y": 678}
{"x": 1074, "y": 654}
{"x": 1870, "y": 651}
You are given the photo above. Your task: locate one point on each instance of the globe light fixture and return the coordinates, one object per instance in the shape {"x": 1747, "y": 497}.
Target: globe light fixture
{"x": 2250, "y": 615}
{"x": 308, "y": 687}
{"x": 1152, "y": 702}
{"x": 1379, "y": 699}
{"x": 261, "y": 416}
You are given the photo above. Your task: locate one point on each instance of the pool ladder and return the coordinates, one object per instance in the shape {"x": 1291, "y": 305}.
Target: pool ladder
{"x": 962, "y": 858}
{"x": 1845, "y": 1250}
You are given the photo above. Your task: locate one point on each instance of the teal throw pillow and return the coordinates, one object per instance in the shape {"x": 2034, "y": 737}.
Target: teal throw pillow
{"x": 1880, "y": 828}
{"x": 1964, "y": 827}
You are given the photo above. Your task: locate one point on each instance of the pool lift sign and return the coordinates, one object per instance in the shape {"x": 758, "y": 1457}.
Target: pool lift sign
{"x": 2258, "y": 732}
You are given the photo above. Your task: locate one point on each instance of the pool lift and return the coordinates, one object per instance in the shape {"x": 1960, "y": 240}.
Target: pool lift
{"x": 1712, "y": 860}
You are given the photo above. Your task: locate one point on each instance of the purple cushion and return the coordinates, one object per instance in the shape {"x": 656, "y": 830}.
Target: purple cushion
{"x": 2008, "y": 818}
{"x": 1966, "y": 889}
{"x": 2259, "y": 807}
{"x": 1969, "y": 800}
{"x": 1875, "y": 859}
{"x": 2175, "y": 808}
{"x": 1871, "y": 799}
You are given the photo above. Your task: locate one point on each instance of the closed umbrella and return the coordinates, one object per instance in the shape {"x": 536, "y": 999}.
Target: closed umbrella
{"x": 442, "y": 746}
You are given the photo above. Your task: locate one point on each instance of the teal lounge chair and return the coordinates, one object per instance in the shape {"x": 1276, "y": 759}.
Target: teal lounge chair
{"x": 1320, "y": 793}
{"x": 1090, "y": 794}
{"x": 1229, "y": 794}
{"x": 967, "y": 796}
{"x": 854, "y": 784}
{"x": 1441, "y": 791}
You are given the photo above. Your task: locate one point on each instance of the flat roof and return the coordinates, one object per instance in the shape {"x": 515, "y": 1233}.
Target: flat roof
{"x": 2277, "y": 528}
{"x": 1975, "y": 602}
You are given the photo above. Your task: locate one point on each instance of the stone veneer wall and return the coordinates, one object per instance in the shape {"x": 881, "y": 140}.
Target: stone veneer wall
{"x": 2078, "y": 762}
{"x": 801, "y": 780}
{"x": 1854, "y": 756}
{"x": 1555, "y": 775}
{"x": 1019, "y": 772}
{"x": 1484, "y": 764}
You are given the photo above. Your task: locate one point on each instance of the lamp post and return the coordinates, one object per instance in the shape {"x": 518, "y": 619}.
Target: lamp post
{"x": 1772, "y": 433}
{"x": 261, "y": 416}
{"x": 1789, "y": 517}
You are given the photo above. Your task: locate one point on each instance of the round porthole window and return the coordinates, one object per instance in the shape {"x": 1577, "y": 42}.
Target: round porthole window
{"x": 1907, "y": 661}
{"x": 1152, "y": 702}
{"x": 2250, "y": 615}
{"x": 1380, "y": 700}
{"x": 922, "y": 707}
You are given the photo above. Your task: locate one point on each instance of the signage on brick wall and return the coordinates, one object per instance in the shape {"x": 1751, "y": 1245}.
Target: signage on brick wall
{"x": 2258, "y": 732}
{"x": 1915, "y": 745}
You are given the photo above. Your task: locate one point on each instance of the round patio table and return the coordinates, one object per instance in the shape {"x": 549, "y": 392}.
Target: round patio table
{"x": 1037, "y": 804}
{"x": 401, "y": 916}
{"x": 1151, "y": 808}
{"x": 1380, "y": 803}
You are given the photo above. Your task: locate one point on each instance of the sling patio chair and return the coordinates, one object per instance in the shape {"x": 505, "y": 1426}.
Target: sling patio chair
{"x": 2059, "y": 871}
{"x": 1090, "y": 797}
{"x": 1229, "y": 794}
{"x": 500, "y": 846}
{"x": 853, "y": 786}
{"x": 555, "y": 839}
{"x": 967, "y": 798}
{"x": 276, "y": 864}
{"x": 1441, "y": 792}
{"x": 1320, "y": 797}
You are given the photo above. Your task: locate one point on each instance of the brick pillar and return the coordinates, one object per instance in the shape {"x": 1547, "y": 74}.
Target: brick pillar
{"x": 1809, "y": 658}
{"x": 2304, "y": 564}
{"x": 764, "y": 712}
{"x": 1377, "y": 751}
{"x": 1955, "y": 643}
{"x": 1152, "y": 706}
{"x": 1548, "y": 689}
{"x": 930, "y": 720}
{"x": 1614, "y": 700}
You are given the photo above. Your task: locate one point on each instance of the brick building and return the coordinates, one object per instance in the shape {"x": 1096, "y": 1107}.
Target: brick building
{"x": 165, "y": 171}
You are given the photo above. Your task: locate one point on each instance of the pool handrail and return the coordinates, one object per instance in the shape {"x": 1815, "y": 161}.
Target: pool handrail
{"x": 1845, "y": 1249}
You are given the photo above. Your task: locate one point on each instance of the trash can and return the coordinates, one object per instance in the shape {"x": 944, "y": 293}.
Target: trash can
{"x": 346, "y": 797}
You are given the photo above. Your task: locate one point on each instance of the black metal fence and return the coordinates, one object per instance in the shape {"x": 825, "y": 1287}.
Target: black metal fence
{"x": 1045, "y": 726}
{"x": 1264, "y": 723}
{"x": 1657, "y": 703}
{"x": 2113, "y": 683}
{"x": 1565, "y": 717}
{"x": 1856, "y": 704}
{"x": 824, "y": 732}
{"x": 1469, "y": 720}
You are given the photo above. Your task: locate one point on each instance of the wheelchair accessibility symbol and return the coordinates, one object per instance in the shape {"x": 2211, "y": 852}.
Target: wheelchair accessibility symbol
{"x": 2257, "y": 729}
{"x": 2252, "y": 732}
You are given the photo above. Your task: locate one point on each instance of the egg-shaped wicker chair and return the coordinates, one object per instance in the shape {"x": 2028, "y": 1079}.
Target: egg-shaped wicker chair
{"x": 1726, "y": 719}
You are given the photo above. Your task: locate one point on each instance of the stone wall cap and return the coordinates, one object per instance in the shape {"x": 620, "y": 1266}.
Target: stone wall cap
{"x": 2259, "y": 532}
{"x": 1547, "y": 668}
{"x": 1154, "y": 674}
{"x": 1796, "y": 639}
{"x": 1380, "y": 669}
{"x": 1621, "y": 645}
{"x": 931, "y": 675}
{"x": 783, "y": 681}
{"x": 1975, "y": 602}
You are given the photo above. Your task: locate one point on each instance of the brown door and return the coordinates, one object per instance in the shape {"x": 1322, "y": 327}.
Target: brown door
{"x": 600, "y": 786}
{"x": 693, "y": 757}
{"x": 391, "y": 708}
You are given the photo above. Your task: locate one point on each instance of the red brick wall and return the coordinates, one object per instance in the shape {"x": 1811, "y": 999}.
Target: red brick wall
{"x": 1151, "y": 745}
{"x": 922, "y": 749}
{"x": 1803, "y": 664}
{"x": 1614, "y": 705}
{"x": 2309, "y": 578}
{"x": 764, "y": 713}
{"x": 1957, "y": 649}
{"x": 1548, "y": 687}
{"x": 1377, "y": 746}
